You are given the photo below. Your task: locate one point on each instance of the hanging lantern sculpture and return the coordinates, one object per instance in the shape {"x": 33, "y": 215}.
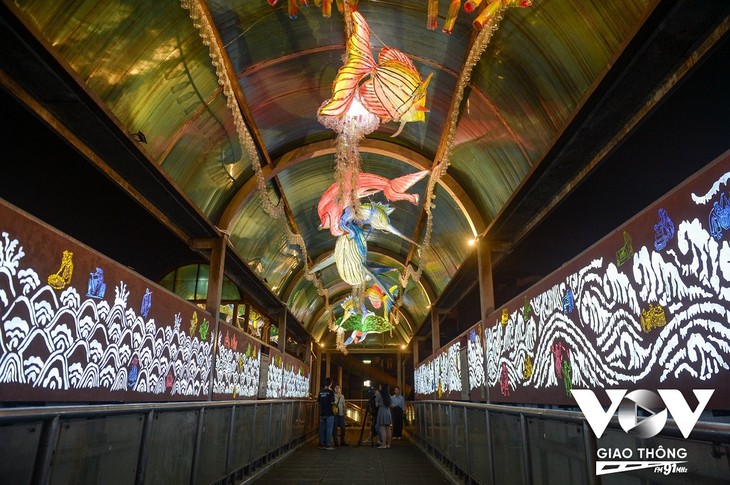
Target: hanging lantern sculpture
{"x": 366, "y": 93}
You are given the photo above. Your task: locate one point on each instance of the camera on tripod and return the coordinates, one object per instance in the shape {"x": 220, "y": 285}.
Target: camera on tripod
{"x": 371, "y": 400}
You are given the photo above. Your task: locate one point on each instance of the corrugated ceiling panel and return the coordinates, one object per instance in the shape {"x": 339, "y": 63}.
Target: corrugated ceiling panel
{"x": 449, "y": 242}
{"x": 156, "y": 77}
{"x": 284, "y": 103}
{"x": 262, "y": 242}
{"x": 206, "y": 175}
{"x": 247, "y": 29}
{"x": 542, "y": 62}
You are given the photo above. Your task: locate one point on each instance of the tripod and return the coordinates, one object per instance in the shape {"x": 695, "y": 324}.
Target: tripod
{"x": 372, "y": 427}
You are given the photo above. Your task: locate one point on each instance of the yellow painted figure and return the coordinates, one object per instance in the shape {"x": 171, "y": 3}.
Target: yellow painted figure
{"x": 62, "y": 277}
{"x": 653, "y": 317}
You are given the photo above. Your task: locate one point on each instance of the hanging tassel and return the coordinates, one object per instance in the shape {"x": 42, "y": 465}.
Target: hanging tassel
{"x": 451, "y": 16}
{"x": 272, "y": 2}
{"x": 487, "y": 14}
{"x": 326, "y": 8}
{"x": 471, "y": 5}
{"x": 292, "y": 9}
{"x": 432, "y": 21}
{"x": 494, "y": 7}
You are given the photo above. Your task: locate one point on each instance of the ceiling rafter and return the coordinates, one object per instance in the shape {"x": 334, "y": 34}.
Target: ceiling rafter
{"x": 368, "y": 145}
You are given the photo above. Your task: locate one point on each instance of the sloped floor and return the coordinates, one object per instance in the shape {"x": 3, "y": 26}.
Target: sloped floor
{"x": 403, "y": 463}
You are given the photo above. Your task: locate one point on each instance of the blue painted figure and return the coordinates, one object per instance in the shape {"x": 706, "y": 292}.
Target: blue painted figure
{"x": 97, "y": 287}
{"x": 663, "y": 230}
{"x": 146, "y": 303}
{"x": 133, "y": 373}
{"x": 568, "y": 301}
{"x": 719, "y": 217}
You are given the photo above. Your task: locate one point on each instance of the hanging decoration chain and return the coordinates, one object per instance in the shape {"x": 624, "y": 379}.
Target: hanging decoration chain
{"x": 480, "y": 45}
{"x": 275, "y": 211}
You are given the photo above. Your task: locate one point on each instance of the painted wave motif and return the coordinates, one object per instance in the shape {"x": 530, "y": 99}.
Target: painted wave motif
{"x": 237, "y": 372}
{"x": 65, "y": 341}
{"x": 296, "y": 383}
{"x": 475, "y": 359}
{"x": 659, "y": 312}
{"x": 442, "y": 374}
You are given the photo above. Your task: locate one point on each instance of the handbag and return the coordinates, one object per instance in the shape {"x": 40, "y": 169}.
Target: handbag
{"x": 336, "y": 408}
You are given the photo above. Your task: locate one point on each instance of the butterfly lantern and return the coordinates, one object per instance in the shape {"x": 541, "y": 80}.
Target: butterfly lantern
{"x": 391, "y": 89}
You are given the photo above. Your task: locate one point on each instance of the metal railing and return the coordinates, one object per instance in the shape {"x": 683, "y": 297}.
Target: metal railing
{"x": 168, "y": 443}
{"x": 495, "y": 444}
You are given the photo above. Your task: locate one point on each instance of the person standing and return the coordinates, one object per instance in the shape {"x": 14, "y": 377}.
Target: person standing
{"x": 384, "y": 419}
{"x": 397, "y": 408}
{"x": 326, "y": 400}
{"x": 339, "y": 417}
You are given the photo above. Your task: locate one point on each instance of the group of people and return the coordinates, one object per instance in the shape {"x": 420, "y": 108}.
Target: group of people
{"x": 388, "y": 415}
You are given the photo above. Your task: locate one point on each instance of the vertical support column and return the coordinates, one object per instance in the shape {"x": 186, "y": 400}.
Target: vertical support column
{"x": 144, "y": 448}
{"x": 435, "y": 330}
{"x": 50, "y": 431}
{"x": 590, "y": 447}
{"x": 339, "y": 376}
{"x": 486, "y": 297}
{"x": 328, "y": 373}
{"x": 490, "y": 446}
{"x": 213, "y": 300}
{"x": 414, "y": 346}
{"x": 526, "y": 457}
{"x": 486, "y": 283}
{"x": 318, "y": 378}
{"x": 282, "y": 330}
{"x": 215, "y": 277}
{"x": 399, "y": 377}
{"x": 231, "y": 437}
{"x": 196, "y": 449}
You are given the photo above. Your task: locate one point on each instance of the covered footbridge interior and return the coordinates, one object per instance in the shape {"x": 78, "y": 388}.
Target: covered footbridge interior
{"x": 498, "y": 206}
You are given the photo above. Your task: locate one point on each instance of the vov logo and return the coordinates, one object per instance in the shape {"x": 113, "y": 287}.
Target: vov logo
{"x": 629, "y": 403}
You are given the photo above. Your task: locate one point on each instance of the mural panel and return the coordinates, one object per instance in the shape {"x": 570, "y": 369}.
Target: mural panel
{"x": 295, "y": 379}
{"x": 475, "y": 362}
{"x": 76, "y": 326}
{"x": 440, "y": 376}
{"x": 644, "y": 308}
{"x": 237, "y": 365}
{"x": 275, "y": 375}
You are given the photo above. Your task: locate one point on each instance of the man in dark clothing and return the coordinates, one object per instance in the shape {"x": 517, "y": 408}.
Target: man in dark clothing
{"x": 326, "y": 400}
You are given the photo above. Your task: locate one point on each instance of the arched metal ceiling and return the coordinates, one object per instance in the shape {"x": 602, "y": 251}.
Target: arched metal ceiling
{"x": 160, "y": 68}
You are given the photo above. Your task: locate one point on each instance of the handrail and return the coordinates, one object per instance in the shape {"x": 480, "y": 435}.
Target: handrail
{"x": 703, "y": 430}
{"x": 16, "y": 414}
